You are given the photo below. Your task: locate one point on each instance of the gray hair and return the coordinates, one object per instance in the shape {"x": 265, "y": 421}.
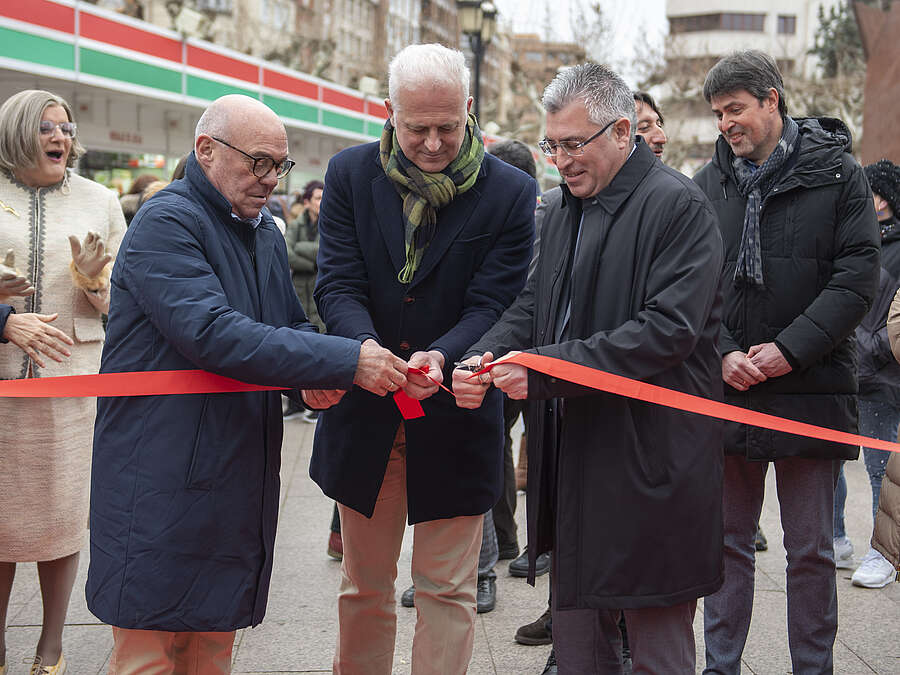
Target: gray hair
{"x": 429, "y": 64}
{"x": 604, "y": 94}
{"x": 20, "y": 129}
{"x": 752, "y": 70}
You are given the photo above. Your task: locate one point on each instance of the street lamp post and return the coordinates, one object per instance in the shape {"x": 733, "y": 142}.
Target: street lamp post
{"x": 477, "y": 21}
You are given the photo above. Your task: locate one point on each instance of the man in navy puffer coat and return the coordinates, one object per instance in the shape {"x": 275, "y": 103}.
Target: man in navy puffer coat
{"x": 184, "y": 489}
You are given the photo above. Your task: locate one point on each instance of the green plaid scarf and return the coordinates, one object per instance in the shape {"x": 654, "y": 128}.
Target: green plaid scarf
{"x": 423, "y": 193}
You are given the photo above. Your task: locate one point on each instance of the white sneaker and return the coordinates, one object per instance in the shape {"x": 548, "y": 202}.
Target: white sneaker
{"x": 843, "y": 553}
{"x": 874, "y": 571}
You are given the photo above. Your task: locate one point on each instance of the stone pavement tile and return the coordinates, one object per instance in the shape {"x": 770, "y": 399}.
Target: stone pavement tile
{"x": 868, "y": 625}
{"x": 87, "y": 648}
{"x": 30, "y": 613}
{"x": 294, "y": 646}
{"x": 517, "y": 604}
{"x": 25, "y": 589}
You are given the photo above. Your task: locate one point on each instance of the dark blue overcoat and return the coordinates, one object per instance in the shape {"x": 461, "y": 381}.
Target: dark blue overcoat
{"x": 184, "y": 488}
{"x": 471, "y": 271}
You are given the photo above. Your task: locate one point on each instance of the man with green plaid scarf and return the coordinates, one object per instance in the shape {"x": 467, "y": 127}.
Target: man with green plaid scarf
{"x": 424, "y": 242}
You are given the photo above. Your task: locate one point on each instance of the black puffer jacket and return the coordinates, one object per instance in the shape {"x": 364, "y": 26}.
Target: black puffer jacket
{"x": 879, "y": 372}
{"x": 890, "y": 246}
{"x": 820, "y": 248}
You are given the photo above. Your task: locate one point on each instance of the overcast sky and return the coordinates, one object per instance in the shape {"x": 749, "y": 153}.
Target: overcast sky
{"x": 634, "y": 25}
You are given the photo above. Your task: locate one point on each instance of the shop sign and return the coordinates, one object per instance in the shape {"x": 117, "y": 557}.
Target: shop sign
{"x": 126, "y": 137}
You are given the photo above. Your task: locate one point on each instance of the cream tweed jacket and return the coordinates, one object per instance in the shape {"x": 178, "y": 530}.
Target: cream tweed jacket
{"x": 46, "y": 449}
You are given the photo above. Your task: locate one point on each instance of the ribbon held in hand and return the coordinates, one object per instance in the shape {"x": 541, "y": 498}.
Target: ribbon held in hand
{"x": 641, "y": 391}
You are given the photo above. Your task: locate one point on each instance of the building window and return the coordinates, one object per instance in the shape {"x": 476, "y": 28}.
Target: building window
{"x": 219, "y": 6}
{"x": 534, "y": 56}
{"x": 786, "y": 66}
{"x": 708, "y": 22}
{"x": 787, "y": 24}
{"x": 696, "y": 23}
{"x": 748, "y": 22}
{"x": 275, "y": 13}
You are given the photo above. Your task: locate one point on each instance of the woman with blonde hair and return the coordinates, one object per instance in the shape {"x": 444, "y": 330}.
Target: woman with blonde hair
{"x": 58, "y": 232}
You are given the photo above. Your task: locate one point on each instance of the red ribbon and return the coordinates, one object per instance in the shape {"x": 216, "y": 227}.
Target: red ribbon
{"x": 163, "y": 382}
{"x": 623, "y": 386}
{"x": 150, "y": 383}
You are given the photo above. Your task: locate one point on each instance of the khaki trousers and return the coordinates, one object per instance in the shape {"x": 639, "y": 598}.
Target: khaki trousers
{"x": 157, "y": 652}
{"x": 444, "y": 571}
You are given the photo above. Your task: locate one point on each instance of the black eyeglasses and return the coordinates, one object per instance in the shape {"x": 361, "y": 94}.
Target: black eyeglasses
{"x": 67, "y": 128}
{"x": 263, "y": 165}
{"x": 571, "y": 148}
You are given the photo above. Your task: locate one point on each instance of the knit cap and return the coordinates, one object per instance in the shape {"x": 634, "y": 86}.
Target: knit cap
{"x": 884, "y": 177}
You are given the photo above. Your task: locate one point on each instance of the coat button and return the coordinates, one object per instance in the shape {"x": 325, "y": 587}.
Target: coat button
{"x": 409, "y": 299}
{"x": 404, "y": 346}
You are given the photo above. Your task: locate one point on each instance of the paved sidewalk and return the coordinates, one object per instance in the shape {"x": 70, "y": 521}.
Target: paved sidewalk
{"x": 299, "y": 630}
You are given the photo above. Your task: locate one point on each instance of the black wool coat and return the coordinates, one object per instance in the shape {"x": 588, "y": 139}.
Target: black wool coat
{"x": 820, "y": 254}
{"x": 628, "y": 494}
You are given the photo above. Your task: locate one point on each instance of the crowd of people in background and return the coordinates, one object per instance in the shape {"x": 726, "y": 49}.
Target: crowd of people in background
{"x": 416, "y": 263}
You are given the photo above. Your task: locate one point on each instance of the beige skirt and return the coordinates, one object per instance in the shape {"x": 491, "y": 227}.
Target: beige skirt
{"x": 45, "y": 476}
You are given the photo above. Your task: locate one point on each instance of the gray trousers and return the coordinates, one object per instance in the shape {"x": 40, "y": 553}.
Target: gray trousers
{"x": 806, "y": 499}
{"x": 489, "y": 553}
{"x": 504, "y": 511}
{"x": 588, "y": 641}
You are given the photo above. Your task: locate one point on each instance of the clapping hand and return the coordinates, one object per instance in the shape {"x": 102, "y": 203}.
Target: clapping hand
{"x": 90, "y": 257}
{"x": 11, "y": 281}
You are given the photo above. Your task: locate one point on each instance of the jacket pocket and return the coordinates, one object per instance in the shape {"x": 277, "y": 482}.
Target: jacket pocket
{"x": 470, "y": 245}
{"x": 88, "y": 329}
{"x": 650, "y": 426}
{"x": 202, "y": 468}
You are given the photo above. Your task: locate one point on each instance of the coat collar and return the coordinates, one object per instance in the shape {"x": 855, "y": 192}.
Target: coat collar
{"x": 622, "y": 185}
{"x": 626, "y": 180}
{"x": 200, "y": 183}
{"x": 816, "y": 160}
{"x": 221, "y": 208}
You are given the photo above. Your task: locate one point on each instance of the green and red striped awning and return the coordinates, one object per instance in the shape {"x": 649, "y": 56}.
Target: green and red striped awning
{"x": 81, "y": 43}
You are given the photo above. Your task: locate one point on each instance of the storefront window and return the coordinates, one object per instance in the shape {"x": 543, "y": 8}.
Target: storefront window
{"x": 117, "y": 170}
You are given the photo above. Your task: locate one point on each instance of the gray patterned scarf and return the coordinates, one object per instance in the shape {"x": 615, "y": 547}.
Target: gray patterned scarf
{"x": 753, "y": 184}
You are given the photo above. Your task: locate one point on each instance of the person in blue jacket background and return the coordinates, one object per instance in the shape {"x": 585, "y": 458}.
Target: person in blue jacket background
{"x": 184, "y": 488}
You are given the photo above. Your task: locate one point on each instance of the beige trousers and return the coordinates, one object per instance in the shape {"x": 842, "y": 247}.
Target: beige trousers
{"x": 157, "y": 652}
{"x": 444, "y": 571}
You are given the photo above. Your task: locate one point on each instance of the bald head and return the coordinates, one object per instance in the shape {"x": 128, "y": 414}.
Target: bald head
{"x": 232, "y": 132}
{"x": 235, "y": 112}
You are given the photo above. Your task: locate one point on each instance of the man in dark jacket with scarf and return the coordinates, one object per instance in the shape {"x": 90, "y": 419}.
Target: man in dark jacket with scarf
{"x": 185, "y": 488}
{"x": 801, "y": 269}
{"x": 424, "y": 240}
{"x": 626, "y": 493}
